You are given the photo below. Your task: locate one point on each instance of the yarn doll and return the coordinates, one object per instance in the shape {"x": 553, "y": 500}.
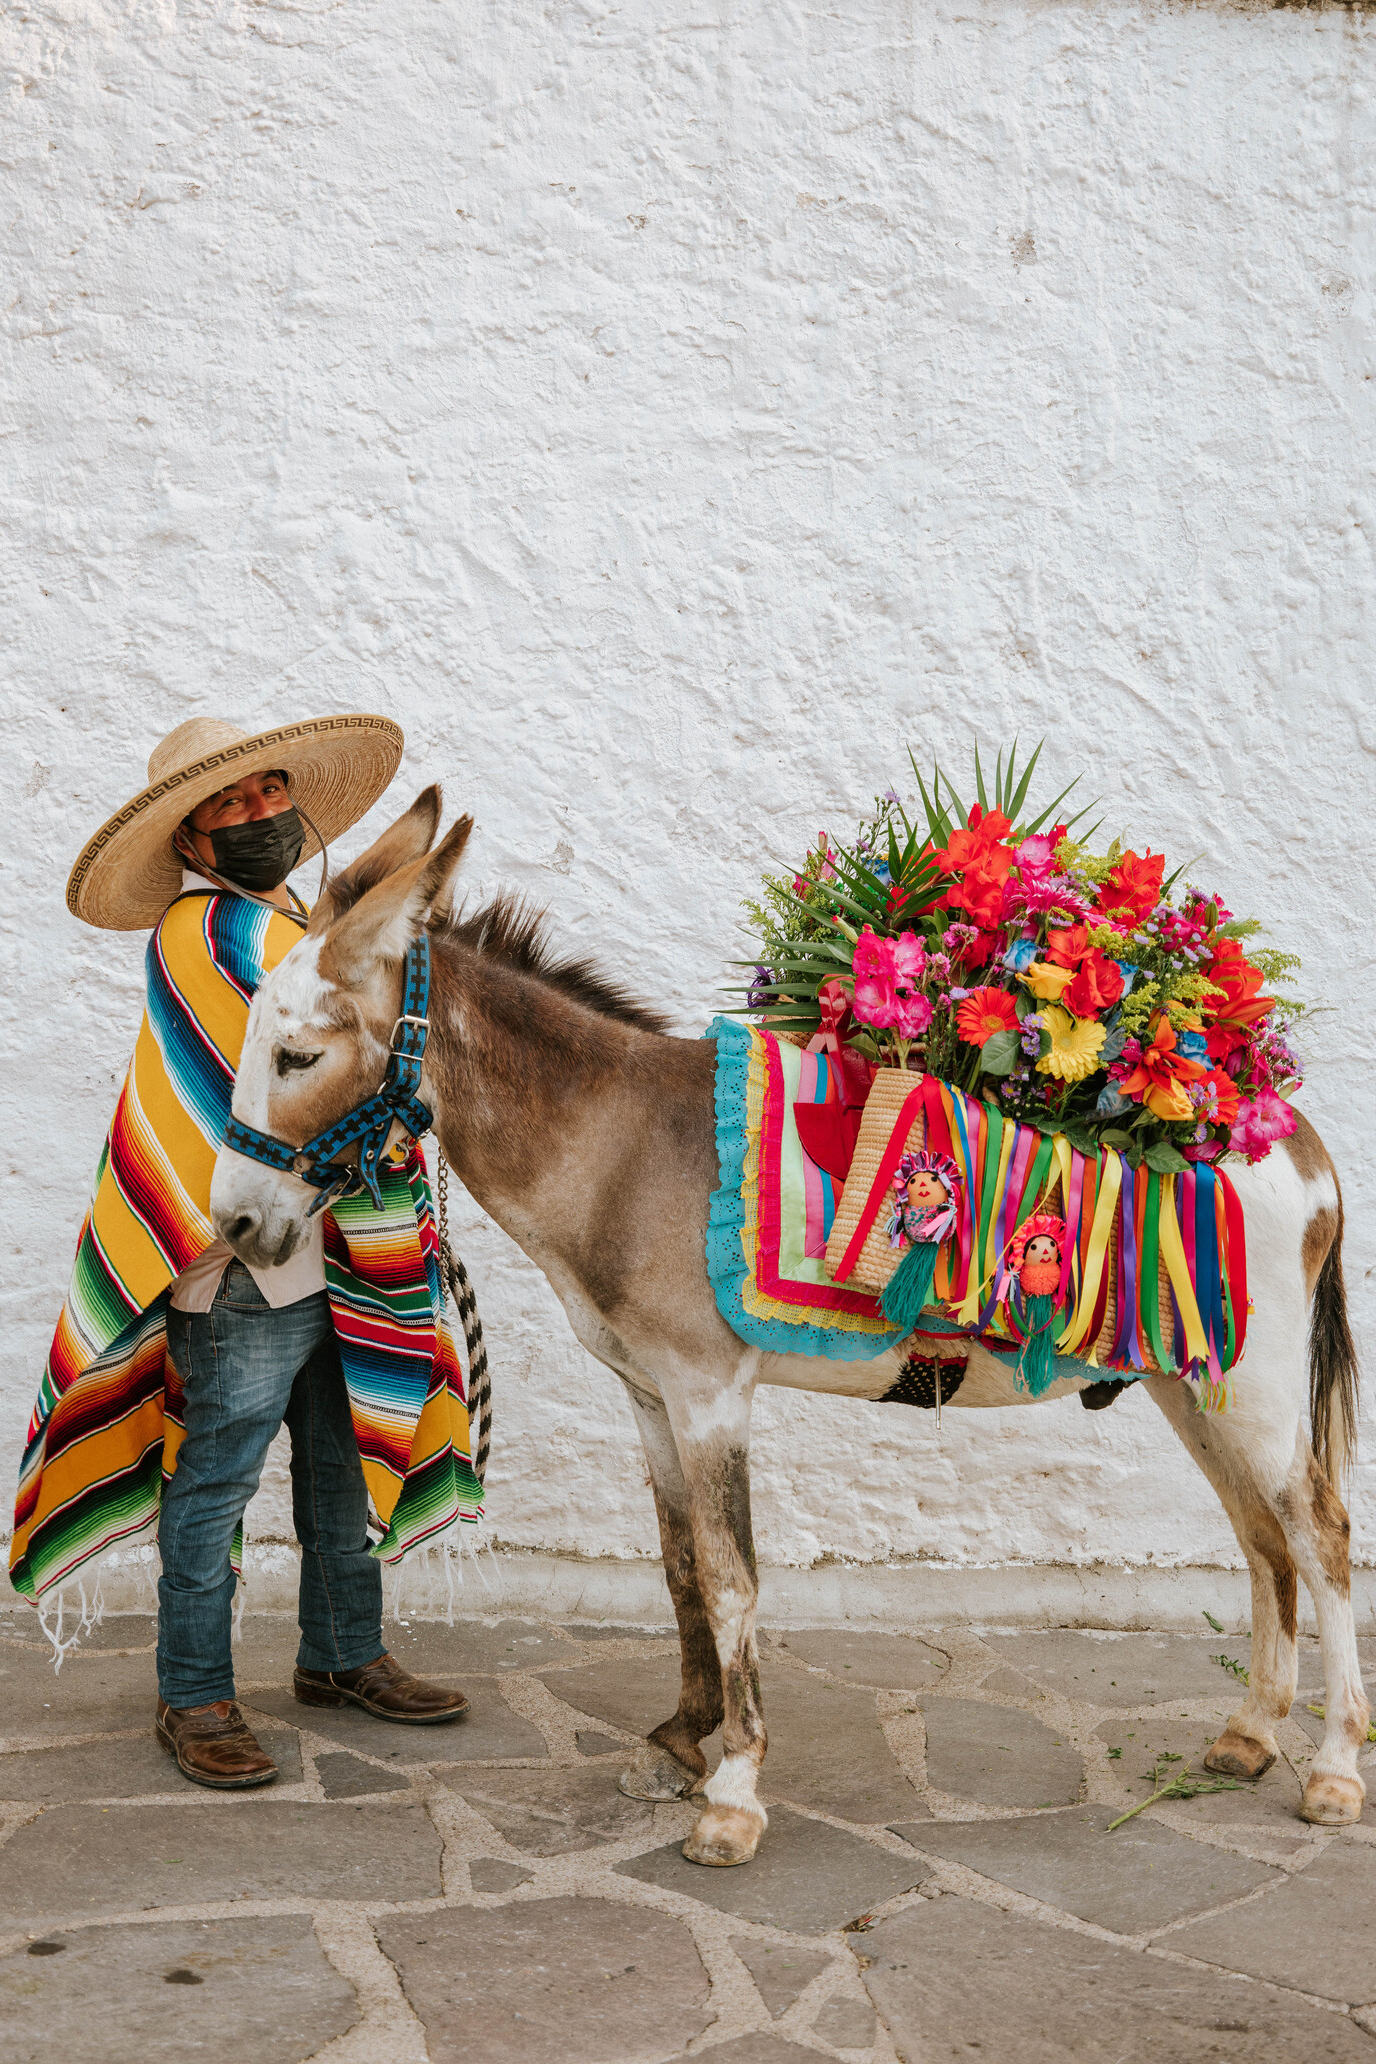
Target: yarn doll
{"x": 925, "y": 1187}
{"x": 1034, "y": 1260}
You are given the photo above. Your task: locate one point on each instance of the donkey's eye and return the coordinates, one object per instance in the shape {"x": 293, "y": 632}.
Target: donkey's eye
{"x": 289, "y": 1063}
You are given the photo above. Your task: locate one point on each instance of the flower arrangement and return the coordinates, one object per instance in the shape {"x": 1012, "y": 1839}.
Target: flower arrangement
{"x": 1082, "y": 992}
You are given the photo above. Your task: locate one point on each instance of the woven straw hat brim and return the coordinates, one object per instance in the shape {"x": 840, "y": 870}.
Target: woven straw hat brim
{"x": 338, "y": 767}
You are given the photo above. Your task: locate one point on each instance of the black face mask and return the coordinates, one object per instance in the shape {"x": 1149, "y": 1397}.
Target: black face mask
{"x": 262, "y": 854}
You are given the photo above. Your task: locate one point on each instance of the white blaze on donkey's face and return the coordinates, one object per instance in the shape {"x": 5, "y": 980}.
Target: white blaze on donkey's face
{"x": 307, "y": 1058}
{"x": 318, "y": 1030}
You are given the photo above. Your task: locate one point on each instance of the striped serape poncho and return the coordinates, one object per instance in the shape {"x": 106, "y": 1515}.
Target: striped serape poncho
{"x": 108, "y": 1420}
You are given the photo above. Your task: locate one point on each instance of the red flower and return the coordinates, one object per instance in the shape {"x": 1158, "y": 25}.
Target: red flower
{"x": 1096, "y": 987}
{"x": 983, "y": 1013}
{"x": 981, "y": 833}
{"x": 1222, "y": 1104}
{"x": 1159, "y": 1079}
{"x": 1068, "y": 948}
{"x": 980, "y": 950}
{"x": 1133, "y": 889}
{"x": 1235, "y": 1013}
{"x": 980, "y": 894}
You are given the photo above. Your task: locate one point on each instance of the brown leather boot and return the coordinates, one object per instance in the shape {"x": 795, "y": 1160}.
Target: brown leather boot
{"x": 383, "y": 1688}
{"x": 213, "y": 1746}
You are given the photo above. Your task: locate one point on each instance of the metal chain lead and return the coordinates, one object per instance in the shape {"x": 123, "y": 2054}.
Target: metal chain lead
{"x": 454, "y": 1280}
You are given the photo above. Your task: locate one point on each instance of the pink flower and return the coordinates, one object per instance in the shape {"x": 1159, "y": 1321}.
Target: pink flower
{"x": 1260, "y": 1123}
{"x": 1036, "y": 855}
{"x": 914, "y": 1016}
{"x": 876, "y": 974}
{"x": 875, "y": 1001}
{"x": 887, "y": 972}
{"x": 873, "y": 956}
{"x": 909, "y": 957}
{"x": 1039, "y": 894}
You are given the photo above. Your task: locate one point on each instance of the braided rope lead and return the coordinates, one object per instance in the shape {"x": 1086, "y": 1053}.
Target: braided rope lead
{"x": 454, "y": 1280}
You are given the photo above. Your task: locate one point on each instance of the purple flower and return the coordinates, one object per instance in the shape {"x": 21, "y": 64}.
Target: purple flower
{"x": 761, "y": 993}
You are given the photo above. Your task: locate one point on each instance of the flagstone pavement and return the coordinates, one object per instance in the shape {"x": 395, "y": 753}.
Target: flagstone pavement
{"x": 937, "y": 1882}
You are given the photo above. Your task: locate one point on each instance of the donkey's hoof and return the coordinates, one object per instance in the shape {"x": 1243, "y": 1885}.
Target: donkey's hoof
{"x": 724, "y": 1835}
{"x": 1237, "y": 1755}
{"x": 656, "y": 1775}
{"x": 1333, "y": 1801}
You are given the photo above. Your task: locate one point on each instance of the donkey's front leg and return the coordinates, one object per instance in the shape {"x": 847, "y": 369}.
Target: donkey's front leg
{"x": 670, "y": 1764}
{"x": 712, "y": 1435}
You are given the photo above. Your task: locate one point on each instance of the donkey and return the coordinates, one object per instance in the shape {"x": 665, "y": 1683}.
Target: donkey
{"x": 588, "y": 1133}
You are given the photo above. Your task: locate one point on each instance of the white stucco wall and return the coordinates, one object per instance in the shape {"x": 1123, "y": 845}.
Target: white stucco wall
{"x": 668, "y": 414}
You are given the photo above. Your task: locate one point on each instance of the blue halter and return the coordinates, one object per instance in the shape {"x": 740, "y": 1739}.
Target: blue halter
{"x": 369, "y": 1122}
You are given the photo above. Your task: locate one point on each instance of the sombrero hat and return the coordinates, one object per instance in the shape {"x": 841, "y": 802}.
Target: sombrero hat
{"x": 337, "y": 768}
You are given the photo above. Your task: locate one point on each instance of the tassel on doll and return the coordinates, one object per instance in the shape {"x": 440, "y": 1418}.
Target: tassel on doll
{"x": 1034, "y": 1260}
{"x": 925, "y": 1187}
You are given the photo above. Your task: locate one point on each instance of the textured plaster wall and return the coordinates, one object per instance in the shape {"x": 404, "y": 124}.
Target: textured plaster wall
{"x": 667, "y": 414}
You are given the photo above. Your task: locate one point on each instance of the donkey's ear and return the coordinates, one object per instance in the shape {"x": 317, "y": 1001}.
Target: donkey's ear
{"x": 399, "y": 846}
{"x": 383, "y": 923}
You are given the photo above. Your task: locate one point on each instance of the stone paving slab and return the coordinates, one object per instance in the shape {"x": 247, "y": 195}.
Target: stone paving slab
{"x": 955, "y": 1981}
{"x": 1272, "y": 1801}
{"x": 490, "y": 1730}
{"x": 998, "y": 1756}
{"x": 93, "y": 1693}
{"x": 115, "y": 1630}
{"x": 1134, "y": 1881}
{"x": 554, "y": 1812}
{"x": 432, "y": 1649}
{"x": 889, "y": 1662}
{"x": 1132, "y": 1670}
{"x": 548, "y": 1981}
{"x": 806, "y": 1876}
{"x": 759, "y": 2049}
{"x": 343, "y": 1776}
{"x": 827, "y": 1750}
{"x": 154, "y": 1993}
{"x": 132, "y": 1767}
{"x": 634, "y": 1692}
{"x": 590, "y": 1743}
{"x": 780, "y": 1970}
{"x": 608, "y": 1630}
{"x": 490, "y": 1874}
{"x": 266, "y": 1647}
{"x": 847, "y": 2024}
{"x": 1317, "y": 1931}
{"x": 1008, "y": 1683}
{"x": 89, "y": 1860}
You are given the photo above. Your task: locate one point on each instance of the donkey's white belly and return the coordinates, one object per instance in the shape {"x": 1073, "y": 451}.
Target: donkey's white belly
{"x": 988, "y": 1381}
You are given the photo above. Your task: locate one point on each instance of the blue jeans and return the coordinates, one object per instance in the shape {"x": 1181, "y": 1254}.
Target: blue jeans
{"x": 246, "y": 1368}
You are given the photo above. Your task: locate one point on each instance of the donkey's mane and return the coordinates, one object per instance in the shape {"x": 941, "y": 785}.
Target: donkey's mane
{"x": 512, "y": 932}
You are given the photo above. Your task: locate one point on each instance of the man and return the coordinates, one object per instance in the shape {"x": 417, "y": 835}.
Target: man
{"x": 173, "y": 1365}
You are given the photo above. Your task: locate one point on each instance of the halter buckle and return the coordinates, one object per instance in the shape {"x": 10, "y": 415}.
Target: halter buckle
{"x": 408, "y": 1018}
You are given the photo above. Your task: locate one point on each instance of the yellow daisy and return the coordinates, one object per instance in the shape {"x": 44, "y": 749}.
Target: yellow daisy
{"x": 1075, "y": 1044}
{"x": 1047, "y": 980}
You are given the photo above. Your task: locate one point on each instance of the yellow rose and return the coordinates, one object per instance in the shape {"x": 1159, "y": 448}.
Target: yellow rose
{"x": 1046, "y": 980}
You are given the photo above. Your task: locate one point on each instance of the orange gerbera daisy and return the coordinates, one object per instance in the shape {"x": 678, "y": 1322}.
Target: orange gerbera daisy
{"x": 983, "y": 1013}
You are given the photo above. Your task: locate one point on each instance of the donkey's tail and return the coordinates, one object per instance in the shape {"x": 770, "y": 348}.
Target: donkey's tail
{"x": 1333, "y": 1371}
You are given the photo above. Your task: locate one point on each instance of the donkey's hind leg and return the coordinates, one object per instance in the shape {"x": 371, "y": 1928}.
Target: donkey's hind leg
{"x": 670, "y": 1764}
{"x": 1288, "y": 1522}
